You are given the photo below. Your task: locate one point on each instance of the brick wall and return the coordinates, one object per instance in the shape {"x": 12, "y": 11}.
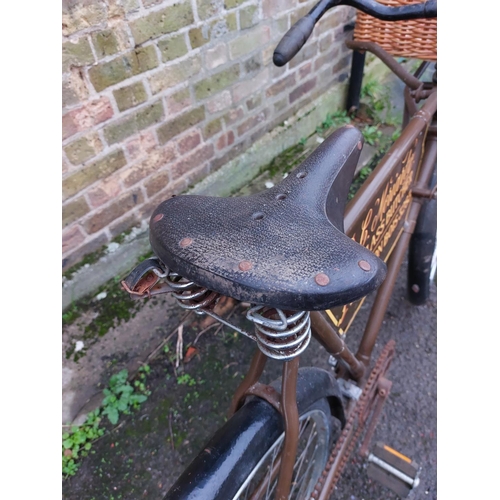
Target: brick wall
{"x": 159, "y": 94}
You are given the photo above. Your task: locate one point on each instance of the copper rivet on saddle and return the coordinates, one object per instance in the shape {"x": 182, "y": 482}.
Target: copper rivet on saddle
{"x": 185, "y": 242}
{"x": 245, "y": 265}
{"x": 364, "y": 265}
{"x": 360, "y": 145}
{"x": 158, "y": 217}
{"x": 322, "y": 279}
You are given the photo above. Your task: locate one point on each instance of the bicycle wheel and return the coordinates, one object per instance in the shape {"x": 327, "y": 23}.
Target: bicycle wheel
{"x": 317, "y": 432}
{"x": 422, "y": 253}
{"x": 237, "y": 458}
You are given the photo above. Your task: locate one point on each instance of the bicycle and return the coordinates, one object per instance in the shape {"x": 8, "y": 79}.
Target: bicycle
{"x": 305, "y": 261}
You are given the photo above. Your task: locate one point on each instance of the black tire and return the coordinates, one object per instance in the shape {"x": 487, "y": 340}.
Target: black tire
{"x": 422, "y": 254}
{"x": 238, "y": 450}
{"x": 318, "y": 431}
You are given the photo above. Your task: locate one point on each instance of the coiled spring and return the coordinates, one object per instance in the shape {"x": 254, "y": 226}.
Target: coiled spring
{"x": 282, "y": 338}
{"x": 190, "y": 295}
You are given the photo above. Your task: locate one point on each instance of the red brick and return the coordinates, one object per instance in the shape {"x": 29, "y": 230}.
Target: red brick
{"x": 302, "y": 90}
{"x": 219, "y": 102}
{"x": 104, "y": 192}
{"x": 273, "y": 8}
{"x": 110, "y": 213}
{"x": 152, "y": 163}
{"x": 188, "y": 142}
{"x": 281, "y": 85}
{"x": 305, "y": 70}
{"x": 140, "y": 145}
{"x": 86, "y": 116}
{"x": 191, "y": 161}
{"x": 251, "y": 123}
{"x": 101, "y": 110}
{"x": 69, "y": 126}
{"x": 234, "y": 116}
{"x": 222, "y": 142}
{"x": 327, "y": 58}
{"x": 157, "y": 183}
{"x": 225, "y": 140}
{"x": 71, "y": 238}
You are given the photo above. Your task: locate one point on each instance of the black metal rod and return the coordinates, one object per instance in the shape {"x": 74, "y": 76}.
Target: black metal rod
{"x": 355, "y": 81}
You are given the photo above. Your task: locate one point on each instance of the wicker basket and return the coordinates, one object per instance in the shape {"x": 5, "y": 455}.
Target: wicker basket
{"x": 414, "y": 38}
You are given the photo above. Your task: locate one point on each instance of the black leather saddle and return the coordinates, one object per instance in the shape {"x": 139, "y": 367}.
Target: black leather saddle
{"x": 284, "y": 247}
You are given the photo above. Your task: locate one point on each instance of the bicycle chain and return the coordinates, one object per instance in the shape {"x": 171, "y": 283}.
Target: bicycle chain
{"x": 379, "y": 369}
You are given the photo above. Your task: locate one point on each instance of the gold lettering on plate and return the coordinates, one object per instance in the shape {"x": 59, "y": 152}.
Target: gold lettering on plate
{"x": 380, "y": 223}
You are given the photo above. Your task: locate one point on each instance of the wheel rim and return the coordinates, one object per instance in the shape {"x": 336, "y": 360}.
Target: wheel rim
{"x": 312, "y": 454}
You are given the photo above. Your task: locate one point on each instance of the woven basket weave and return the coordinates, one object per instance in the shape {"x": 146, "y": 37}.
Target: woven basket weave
{"x": 413, "y": 38}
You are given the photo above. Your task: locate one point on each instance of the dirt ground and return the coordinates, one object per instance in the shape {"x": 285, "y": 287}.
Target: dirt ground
{"x": 147, "y": 450}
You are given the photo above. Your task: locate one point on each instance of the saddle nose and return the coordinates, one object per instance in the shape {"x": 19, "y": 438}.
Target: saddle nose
{"x": 284, "y": 247}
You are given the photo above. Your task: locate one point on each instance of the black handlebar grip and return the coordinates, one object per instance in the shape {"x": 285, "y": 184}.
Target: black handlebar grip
{"x": 293, "y": 40}
{"x": 430, "y": 8}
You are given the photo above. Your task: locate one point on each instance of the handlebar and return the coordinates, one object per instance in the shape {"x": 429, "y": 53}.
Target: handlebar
{"x": 298, "y": 34}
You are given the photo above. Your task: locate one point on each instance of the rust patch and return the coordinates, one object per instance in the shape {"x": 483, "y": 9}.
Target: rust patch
{"x": 364, "y": 265}
{"x": 185, "y": 242}
{"x": 245, "y": 265}
{"x": 322, "y": 279}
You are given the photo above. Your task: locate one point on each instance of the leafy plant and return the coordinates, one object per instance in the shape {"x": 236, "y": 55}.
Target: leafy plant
{"x": 186, "y": 379}
{"x": 79, "y": 441}
{"x": 377, "y": 100}
{"x": 372, "y": 134}
{"x": 335, "y": 120}
{"x": 120, "y": 397}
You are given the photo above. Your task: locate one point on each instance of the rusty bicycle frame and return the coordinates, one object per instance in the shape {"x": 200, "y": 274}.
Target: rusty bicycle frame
{"x": 382, "y": 217}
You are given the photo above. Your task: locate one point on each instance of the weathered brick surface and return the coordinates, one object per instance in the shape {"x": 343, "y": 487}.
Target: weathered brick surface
{"x": 74, "y": 210}
{"x": 302, "y": 90}
{"x": 188, "y": 142}
{"x": 152, "y": 163}
{"x": 74, "y": 88}
{"x": 179, "y": 101}
{"x": 162, "y": 22}
{"x": 177, "y": 125}
{"x": 106, "y": 191}
{"x": 105, "y": 43}
{"x": 119, "y": 207}
{"x": 249, "y": 17}
{"x": 246, "y": 88}
{"x": 251, "y": 123}
{"x": 157, "y": 94}
{"x": 83, "y": 149}
{"x": 76, "y": 53}
{"x": 128, "y": 97}
{"x": 216, "y": 56}
{"x": 79, "y": 15}
{"x": 194, "y": 159}
{"x": 249, "y": 41}
{"x": 172, "y": 48}
{"x": 91, "y": 114}
{"x": 198, "y": 37}
{"x": 134, "y": 122}
{"x": 175, "y": 74}
{"x": 88, "y": 175}
{"x": 217, "y": 82}
{"x": 140, "y": 145}
{"x": 72, "y": 238}
{"x": 212, "y": 128}
{"x": 110, "y": 73}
